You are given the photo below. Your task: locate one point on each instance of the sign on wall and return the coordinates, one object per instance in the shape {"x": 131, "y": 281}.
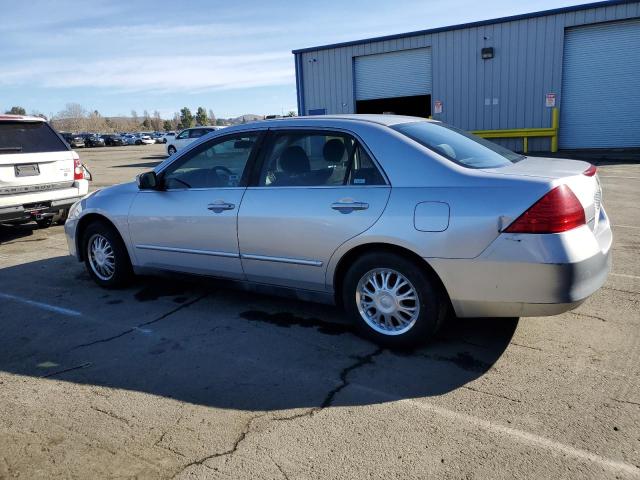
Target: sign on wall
{"x": 437, "y": 106}
{"x": 550, "y": 99}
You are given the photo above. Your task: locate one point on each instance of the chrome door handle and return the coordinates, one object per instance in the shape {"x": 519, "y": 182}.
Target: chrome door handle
{"x": 218, "y": 207}
{"x": 348, "y": 207}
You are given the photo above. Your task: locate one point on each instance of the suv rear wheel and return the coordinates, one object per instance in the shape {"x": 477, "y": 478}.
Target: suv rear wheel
{"x": 105, "y": 256}
{"x": 392, "y": 301}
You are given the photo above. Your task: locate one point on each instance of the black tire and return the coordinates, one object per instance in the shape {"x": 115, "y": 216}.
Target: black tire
{"x": 45, "y": 222}
{"x": 432, "y": 307}
{"x": 123, "y": 271}
{"x": 171, "y": 150}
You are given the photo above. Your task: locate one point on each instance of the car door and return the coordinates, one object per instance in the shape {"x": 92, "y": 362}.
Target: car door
{"x": 314, "y": 191}
{"x": 181, "y": 139}
{"x": 190, "y": 224}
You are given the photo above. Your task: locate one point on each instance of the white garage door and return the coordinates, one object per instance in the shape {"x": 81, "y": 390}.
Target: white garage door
{"x": 601, "y": 86}
{"x": 396, "y": 74}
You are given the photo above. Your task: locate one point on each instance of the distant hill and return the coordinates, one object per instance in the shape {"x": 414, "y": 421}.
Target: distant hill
{"x": 247, "y": 117}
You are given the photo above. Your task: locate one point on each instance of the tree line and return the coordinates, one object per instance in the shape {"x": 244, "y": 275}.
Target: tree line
{"x": 75, "y": 118}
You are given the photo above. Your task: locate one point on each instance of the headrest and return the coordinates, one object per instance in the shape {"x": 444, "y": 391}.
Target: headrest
{"x": 333, "y": 150}
{"x": 294, "y": 160}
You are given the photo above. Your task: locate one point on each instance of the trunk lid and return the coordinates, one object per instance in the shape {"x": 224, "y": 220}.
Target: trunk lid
{"x": 35, "y": 172}
{"x": 562, "y": 171}
{"x": 33, "y": 157}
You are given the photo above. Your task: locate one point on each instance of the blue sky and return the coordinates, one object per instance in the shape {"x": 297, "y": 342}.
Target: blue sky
{"x": 233, "y": 57}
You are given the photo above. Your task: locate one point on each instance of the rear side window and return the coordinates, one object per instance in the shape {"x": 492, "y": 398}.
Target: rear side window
{"x": 317, "y": 159}
{"x": 29, "y": 137}
{"x": 458, "y": 146}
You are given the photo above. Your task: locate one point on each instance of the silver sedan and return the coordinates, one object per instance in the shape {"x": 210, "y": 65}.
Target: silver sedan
{"x": 400, "y": 220}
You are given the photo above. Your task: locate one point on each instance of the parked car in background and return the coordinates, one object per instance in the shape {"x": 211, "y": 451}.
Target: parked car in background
{"x": 185, "y": 137}
{"x": 40, "y": 176}
{"x": 395, "y": 218}
{"x": 73, "y": 140}
{"x": 145, "y": 140}
{"x": 93, "y": 140}
{"x": 113, "y": 140}
{"x": 167, "y": 136}
{"x": 129, "y": 139}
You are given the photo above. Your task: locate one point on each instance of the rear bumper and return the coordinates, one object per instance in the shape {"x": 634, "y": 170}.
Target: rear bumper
{"x": 37, "y": 210}
{"x": 529, "y": 275}
{"x": 31, "y": 206}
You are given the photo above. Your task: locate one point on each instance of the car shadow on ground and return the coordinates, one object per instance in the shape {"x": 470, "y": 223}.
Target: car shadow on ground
{"x": 198, "y": 341}
{"x": 9, "y": 233}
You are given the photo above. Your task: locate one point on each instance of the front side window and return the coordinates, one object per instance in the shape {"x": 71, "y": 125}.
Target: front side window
{"x": 216, "y": 164}
{"x": 316, "y": 159}
{"x": 458, "y": 146}
{"x": 197, "y": 133}
{"x": 29, "y": 137}
{"x": 183, "y": 135}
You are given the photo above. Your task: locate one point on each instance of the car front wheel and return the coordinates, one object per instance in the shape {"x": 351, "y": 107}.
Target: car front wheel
{"x": 105, "y": 256}
{"x": 393, "y": 301}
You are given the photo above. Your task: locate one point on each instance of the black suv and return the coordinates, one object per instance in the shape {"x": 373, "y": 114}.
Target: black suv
{"x": 113, "y": 140}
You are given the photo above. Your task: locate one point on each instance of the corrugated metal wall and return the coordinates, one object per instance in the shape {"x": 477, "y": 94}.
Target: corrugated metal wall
{"x": 507, "y": 91}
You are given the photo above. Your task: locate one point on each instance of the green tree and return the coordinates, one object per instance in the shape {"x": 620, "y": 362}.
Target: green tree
{"x": 167, "y": 125}
{"x": 186, "y": 118}
{"x": 146, "y": 123}
{"x": 201, "y": 117}
{"x": 17, "y": 111}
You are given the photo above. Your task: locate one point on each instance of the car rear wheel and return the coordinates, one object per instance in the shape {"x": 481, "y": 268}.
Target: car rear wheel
{"x": 105, "y": 256}
{"x": 392, "y": 301}
{"x": 171, "y": 150}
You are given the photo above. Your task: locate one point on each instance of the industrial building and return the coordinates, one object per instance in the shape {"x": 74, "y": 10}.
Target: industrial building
{"x": 503, "y": 74}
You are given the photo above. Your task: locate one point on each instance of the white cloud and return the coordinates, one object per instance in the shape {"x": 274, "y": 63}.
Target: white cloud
{"x": 173, "y": 73}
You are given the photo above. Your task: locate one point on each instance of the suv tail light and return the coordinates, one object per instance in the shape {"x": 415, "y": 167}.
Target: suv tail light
{"x": 78, "y": 171}
{"x": 558, "y": 211}
{"x": 591, "y": 171}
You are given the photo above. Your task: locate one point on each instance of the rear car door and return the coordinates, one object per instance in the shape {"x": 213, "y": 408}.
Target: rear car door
{"x": 190, "y": 225}
{"x": 315, "y": 190}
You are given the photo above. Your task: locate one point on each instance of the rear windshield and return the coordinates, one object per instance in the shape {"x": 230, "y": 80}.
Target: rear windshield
{"x": 29, "y": 137}
{"x": 458, "y": 146}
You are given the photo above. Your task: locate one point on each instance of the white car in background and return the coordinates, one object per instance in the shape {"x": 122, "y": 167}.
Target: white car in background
{"x": 145, "y": 140}
{"x": 185, "y": 137}
{"x": 40, "y": 176}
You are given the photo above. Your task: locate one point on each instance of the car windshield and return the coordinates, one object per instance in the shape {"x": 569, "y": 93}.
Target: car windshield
{"x": 458, "y": 146}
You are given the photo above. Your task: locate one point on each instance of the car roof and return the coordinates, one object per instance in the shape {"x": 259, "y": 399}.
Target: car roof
{"x": 311, "y": 120}
{"x": 20, "y": 118}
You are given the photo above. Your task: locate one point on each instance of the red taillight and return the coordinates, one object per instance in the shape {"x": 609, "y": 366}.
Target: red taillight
{"x": 558, "y": 211}
{"x": 591, "y": 171}
{"x": 78, "y": 172}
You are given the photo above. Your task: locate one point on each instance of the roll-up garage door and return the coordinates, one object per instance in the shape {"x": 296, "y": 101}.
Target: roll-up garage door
{"x": 601, "y": 86}
{"x": 396, "y": 74}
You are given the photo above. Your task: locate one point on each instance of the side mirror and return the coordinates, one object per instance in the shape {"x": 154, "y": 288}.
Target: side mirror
{"x": 147, "y": 181}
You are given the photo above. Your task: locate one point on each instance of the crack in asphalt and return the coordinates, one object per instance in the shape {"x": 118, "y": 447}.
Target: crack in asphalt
{"x": 579, "y": 314}
{"x": 202, "y": 461}
{"x": 327, "y": 401}
{"x": 70, "y": 369}
{"x": 110, "y": 414}
{"x": 344, "y": 373}
{"x": 137, "y": 327}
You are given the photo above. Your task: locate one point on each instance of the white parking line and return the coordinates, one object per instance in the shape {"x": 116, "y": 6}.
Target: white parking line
{"x": 521, "y": 436}
{"x": 626, "y": 226}
{"x": 624, "y": 275}
{"x": 43, "y": 306}
{"x": 617, "y": 176}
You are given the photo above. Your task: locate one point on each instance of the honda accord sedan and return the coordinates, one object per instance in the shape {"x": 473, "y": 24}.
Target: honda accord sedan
{"x": 397, "y": 219}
